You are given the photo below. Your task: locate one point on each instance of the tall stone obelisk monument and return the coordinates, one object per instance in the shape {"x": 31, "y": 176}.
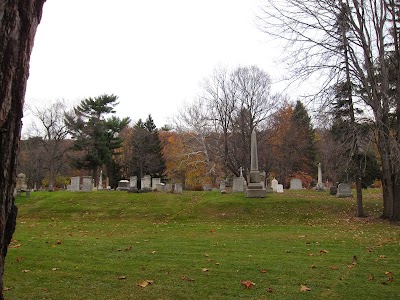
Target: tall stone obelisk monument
{"x": 255, "y": 187}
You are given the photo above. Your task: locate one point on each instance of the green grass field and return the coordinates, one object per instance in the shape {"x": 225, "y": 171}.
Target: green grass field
{"x": 103, "y": 245}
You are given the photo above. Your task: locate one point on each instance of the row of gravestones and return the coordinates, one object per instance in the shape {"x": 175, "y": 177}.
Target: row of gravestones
{"x": 75, "y": 186}
{"x": 149, "y": 184}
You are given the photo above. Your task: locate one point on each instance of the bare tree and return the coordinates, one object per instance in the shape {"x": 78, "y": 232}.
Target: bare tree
{"x": 237, "y": 102}
{"x": 53, "y": 131}
{"x": 18, "y": 22}
{"x": 310, "y": 29}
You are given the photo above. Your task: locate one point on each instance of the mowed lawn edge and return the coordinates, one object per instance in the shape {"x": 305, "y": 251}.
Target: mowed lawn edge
{"x": 201, "y": 245}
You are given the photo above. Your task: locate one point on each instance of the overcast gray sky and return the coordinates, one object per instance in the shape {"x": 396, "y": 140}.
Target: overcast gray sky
{"x": 152, "y": 54}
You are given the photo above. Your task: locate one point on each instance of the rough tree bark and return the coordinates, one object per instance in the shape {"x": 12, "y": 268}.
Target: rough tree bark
{"x": 18, "y": 23}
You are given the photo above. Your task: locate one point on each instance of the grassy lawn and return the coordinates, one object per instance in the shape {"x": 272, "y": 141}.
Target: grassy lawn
{"x": 103, "y": 245}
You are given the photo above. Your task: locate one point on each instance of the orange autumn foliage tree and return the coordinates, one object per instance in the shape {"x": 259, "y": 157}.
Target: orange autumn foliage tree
{"x": 182, "y": 163}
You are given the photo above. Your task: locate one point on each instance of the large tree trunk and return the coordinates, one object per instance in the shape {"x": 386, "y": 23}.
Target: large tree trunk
{"x": 18, "y": 23}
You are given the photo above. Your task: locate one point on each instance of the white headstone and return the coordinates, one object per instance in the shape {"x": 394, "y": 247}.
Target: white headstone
{"x": 133, "y": 182}
{"x": 222, "y": 185}
{"x": 319, "y": 184}
{"x": 279, "y": 188}
{"x": 274, "y": 185}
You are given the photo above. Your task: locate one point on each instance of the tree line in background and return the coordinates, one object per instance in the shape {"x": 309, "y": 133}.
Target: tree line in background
{"x": 208, "y": 142}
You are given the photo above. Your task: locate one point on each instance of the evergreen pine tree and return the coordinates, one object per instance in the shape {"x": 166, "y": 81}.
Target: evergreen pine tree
{"x": 304, "y": 143}
{"x": 147, "y": 156}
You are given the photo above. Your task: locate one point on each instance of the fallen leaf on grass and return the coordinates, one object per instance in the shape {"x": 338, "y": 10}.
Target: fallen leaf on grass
{"x": 59, "y": 242}
{"x": 248, "y": 284}
{"x": 269, "y": 290}
{"x": 370, "y": 277}
{"x": 310, "y": 254}
{"x": 14, "y": 246}
{"x": 304, "y": 288}
{"x": 184, "y": 277}
{"x": 205, "y": 270}
{"x": 333, "y": 267}
{"x": 6, "y": 289}
{"x": 145, "y": 283}
{"x": 212, "y": 230}
{"x": 323, "y": 251}
{"x": 264, "y": 271}
{"x": 382, "y": 256}
{"x": 153, "y": 252}
{"x": 121, "y": 277}
{"x": 54, "y": 269}
{"x": 26, "y": 271}
{"x": 388, "y": 273}
{"x": 129, "y": 248}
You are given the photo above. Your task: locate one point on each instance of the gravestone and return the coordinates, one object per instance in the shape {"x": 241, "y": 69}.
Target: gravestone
{"x": 333, "y": 190}
{"x": 274, "y": 185}
{"x": 344, "y": 190}
{"x": 87, "y": 183}
{"x": 254, "y": 189}
{"x": 68, "y": 187}
{"x": 222, "y": 186}
{"x": 133, "y": 184}
{"x": 178, "y": 188}
{"x": 279, "y": 188}
{"x": 263, "y": 175}
{"x": 154, "y": 182}
{"x": 319, "y": 184}
{"x": 108, "y": 187}
{"x": 21, "y": 184}
{"x": 100, "y": 186}
{"x": 123, "y": 185}
{"x": 160, "y": 187}
{"x": 146, "y": 182}
{"x": 207, "y": 187}
{"x": 238, "y": 185}
{"x": 296, "y": 184}
{"x": 168, "y": 188}
{"x": 75, "y": 184}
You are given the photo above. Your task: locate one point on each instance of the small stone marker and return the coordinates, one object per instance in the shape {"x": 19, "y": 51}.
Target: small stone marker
{"x": 279, "y": 188}
{"x": 100, "y": 186}
{"x": 75, "y": 183}
{"x": 344, "y": 190}
{"x": 296, "y": 184}
{"x": 333, "y": 190}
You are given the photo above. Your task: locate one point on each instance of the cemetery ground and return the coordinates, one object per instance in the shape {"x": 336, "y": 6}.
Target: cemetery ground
{"x": 201, "y": 245}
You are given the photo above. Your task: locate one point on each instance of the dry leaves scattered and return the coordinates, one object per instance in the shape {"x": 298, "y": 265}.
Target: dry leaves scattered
{"x": 304, "y": 288}
{"x": 145, "y": 283}
{"x": 248, "y": 284}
